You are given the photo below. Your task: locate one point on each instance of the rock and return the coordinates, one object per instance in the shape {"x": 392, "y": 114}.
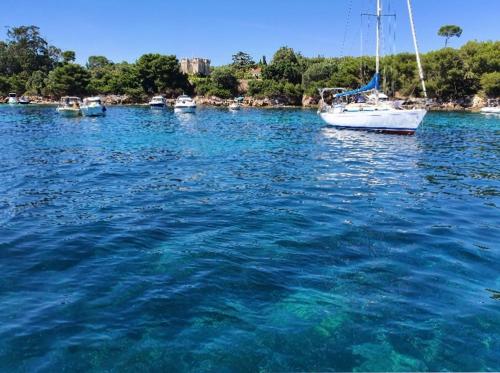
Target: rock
{"x": 309, "y": 101}
{"x": 117, "y": 100}
{"x": 478, "y": 102}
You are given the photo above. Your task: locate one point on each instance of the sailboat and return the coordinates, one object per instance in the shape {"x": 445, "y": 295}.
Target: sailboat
{"x": 366, "y": 108}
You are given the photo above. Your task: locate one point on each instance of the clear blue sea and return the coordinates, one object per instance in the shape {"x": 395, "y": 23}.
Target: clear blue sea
{"x": 253, "y": 241}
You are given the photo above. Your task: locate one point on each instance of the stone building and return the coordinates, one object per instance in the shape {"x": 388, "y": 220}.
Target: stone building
{"x": 199, "y": 66}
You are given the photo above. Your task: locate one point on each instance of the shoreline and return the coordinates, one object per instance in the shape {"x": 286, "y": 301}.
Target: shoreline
{"x": 248, "y": 102}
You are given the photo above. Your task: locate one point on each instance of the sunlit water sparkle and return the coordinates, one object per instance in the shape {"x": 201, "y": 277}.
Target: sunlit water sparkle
{"x": 247, "y": 241}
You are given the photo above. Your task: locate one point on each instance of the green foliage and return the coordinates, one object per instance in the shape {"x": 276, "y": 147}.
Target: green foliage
{"x": 446, "y": 78}
{"x": 68, "y": 79}
{"x": 95, "y": 62}
{"x": 222, "y": 83}
{"x": 284, "y": 92}
{"x": 36, "y": 83}
{"x": 28, "y": 64}
{"x": 4, "y": 85}
{"x": 242, "y": 60}
{"x": 449, "y": 31}
{"x": 159, "y": 73}
{"x": 18, "y": 82}
{"x": 318, "y": 74}
{"x": 26, "y": 51}
{"x": 224, "y": 78}
{"x": 284, "y": 67}
{"x": 68, "y": 56}
{"x": 490, "y": 83}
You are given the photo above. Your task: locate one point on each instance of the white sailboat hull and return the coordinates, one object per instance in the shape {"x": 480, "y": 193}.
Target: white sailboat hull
{"x": 398, "y": 121}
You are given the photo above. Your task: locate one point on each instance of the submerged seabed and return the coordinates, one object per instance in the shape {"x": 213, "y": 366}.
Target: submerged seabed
{"x": 257, "y": 240}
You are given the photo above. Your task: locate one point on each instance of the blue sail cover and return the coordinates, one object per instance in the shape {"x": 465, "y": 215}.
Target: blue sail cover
{"x": 373, "y": 84}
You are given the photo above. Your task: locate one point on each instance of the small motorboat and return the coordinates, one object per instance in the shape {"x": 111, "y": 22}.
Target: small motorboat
{"x": 13, "y": 99}
{"x": 236, "y": 104}
{"x": 157, "y": 102}
{"x": 93, "y": 107}
{"x": 69, "y": 106}
{"x": 184, "y": 104}
{"x": 493, "y": 107}
{"x": 24, "y": 100}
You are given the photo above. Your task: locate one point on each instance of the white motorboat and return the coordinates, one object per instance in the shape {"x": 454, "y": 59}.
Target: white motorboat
{"x": 93, "y": 107}
{"x": 184, "y": 104}
{"x": 24, "y": 100}
{"x": 493, "y": 107}
{"x": 13, "y": 99}
{"x": 69, "y": 106}
{"x": 157, "y": 102}
{"x": 236, "y": 104}
{"x": 367, "y": 108}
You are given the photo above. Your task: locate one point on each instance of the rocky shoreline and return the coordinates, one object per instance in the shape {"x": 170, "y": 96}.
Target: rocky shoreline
{"x": 472, "y": 104}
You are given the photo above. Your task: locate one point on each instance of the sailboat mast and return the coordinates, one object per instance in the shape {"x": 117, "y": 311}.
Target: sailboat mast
{"x": 377, "y": 58}
{"x": 419, "y": 63}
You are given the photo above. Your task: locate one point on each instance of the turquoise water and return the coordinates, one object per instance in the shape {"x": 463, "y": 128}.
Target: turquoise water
{"x": 251, "y": 241}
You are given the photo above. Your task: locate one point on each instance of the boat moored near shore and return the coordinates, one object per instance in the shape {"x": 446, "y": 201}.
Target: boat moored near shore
{"x": 24, "y": 100}
{"x": 367, "y": 108}
{"x": 157, "y": 102}
{"x": 236, "y": 104}
{"x": 184, "y": 104}
{"x": 93, "y": 107}
{"x": 493, "y": 107}
{"x": 13, "y": 99}
{"x": 69, "y": 106}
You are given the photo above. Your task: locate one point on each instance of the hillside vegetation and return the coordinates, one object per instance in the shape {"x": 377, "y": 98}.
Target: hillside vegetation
{"x": 29, "y": 65}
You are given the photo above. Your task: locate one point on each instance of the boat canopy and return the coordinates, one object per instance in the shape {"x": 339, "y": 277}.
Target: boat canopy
{"x": 373, "y": 84}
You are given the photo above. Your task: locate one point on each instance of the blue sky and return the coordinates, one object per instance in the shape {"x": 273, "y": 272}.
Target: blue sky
{"x": 124, "y": 29}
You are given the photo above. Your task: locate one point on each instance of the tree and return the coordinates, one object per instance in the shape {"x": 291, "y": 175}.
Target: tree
{"x": 490, "y": 83}
{"x": 4, "y": 85}
{"x": 242, "y": 60}
{"x": 159, "y": 73}
{"x": 446, "y": 75}
{"x": 264, "y": 61}
{"x": 284, "y": 67}
{"x": 224, "y": 78}
{"x": 449, "y": 31}
{"x": 68, "y": 79}
{"x": 95, "y": 62}
{"x": 319, "y": 72}
{"x": 68, "y": 56}
{"x": 36, "y": 83}
{"x": 28, "y": 51}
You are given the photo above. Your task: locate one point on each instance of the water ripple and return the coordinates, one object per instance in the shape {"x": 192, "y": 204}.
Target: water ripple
{"x": 260, "y": 240}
